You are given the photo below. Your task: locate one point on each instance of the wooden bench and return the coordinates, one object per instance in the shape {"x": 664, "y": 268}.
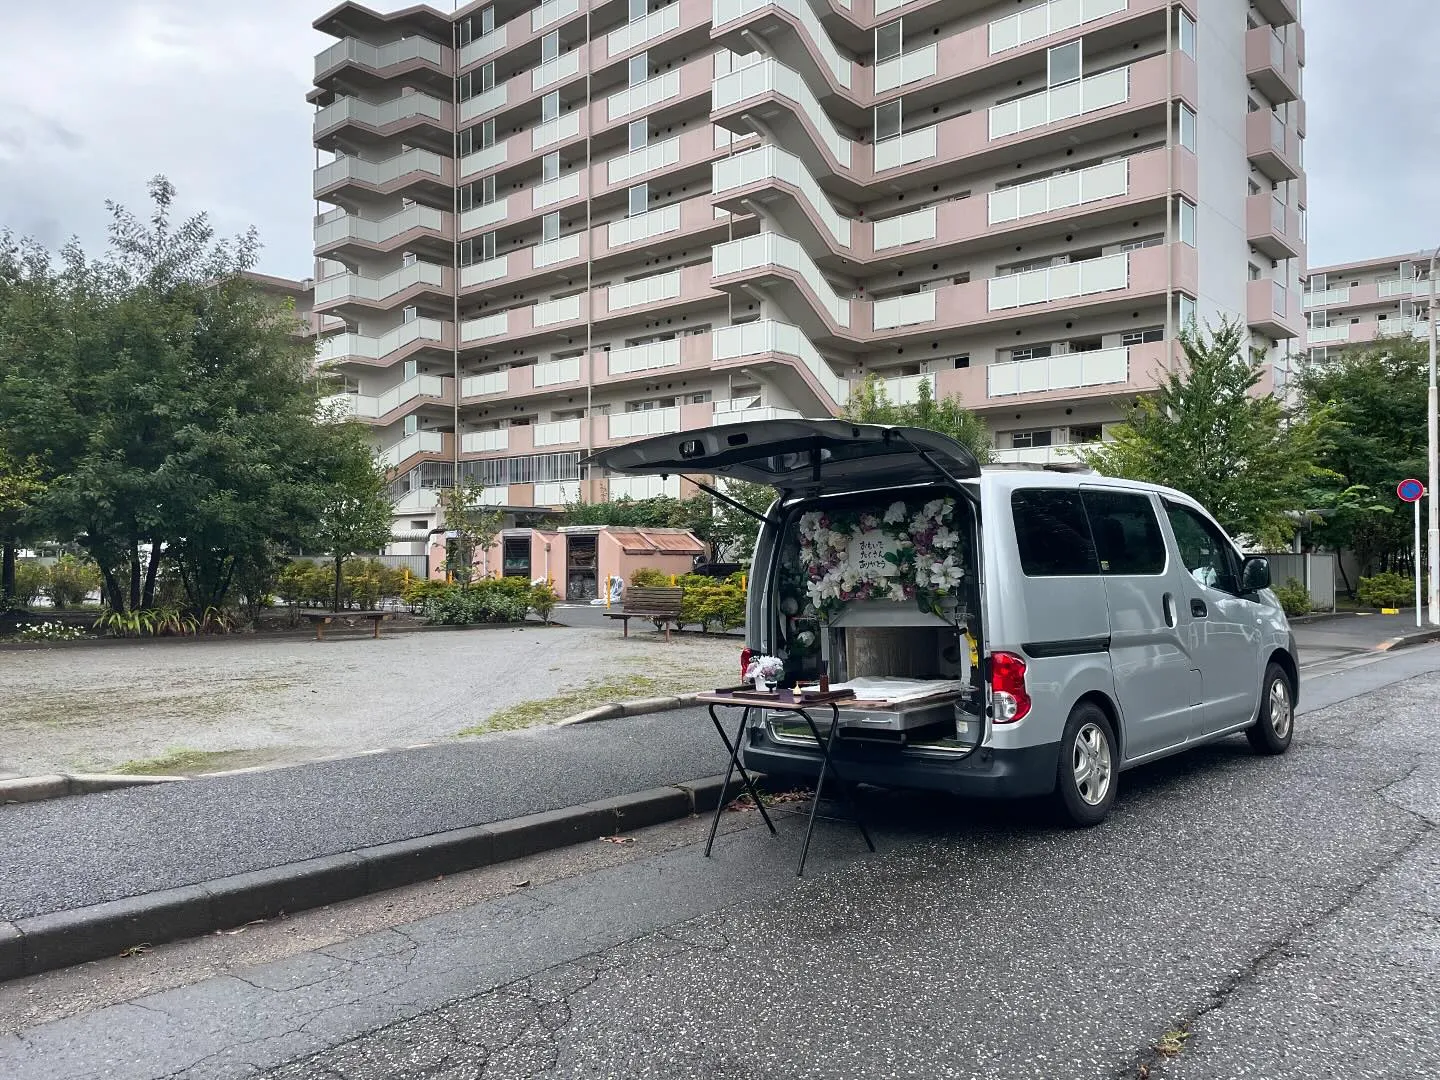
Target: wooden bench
{"x": 321, "y": 619}
{"x": 660, "y": 604}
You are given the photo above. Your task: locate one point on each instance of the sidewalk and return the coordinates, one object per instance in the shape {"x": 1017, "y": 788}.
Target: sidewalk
{"x": 1330, "y": 637}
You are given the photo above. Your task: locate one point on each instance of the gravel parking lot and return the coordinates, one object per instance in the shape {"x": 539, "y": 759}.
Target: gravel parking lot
{"x": 202, "y": 706}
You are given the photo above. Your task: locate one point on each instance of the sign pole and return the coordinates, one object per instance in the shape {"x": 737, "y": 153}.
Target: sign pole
{"x": 1412, "y": 491}
{"x": 1416, "y": 504}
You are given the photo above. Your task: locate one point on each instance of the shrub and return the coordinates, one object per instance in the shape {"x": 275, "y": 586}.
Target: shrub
{"x": 456, "y": 606}
{"x": 1387, "y": 590}
{"x": 543, "y": 600}
{"x": 516, "y": 588}
{"x": 649, "y": 577}
{"x": 420, "y": 591}
{"x": 1294, "y": 597}
{"x": 711, "y": 605}
{"x": 71, "y": 581}
{"x": 30, "y": 581}
{"x": 48, "y": 631}
{"x": 148, "y": 622}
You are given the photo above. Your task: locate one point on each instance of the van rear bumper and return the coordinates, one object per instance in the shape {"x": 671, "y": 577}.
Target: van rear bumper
{"x": 985, "y": 774}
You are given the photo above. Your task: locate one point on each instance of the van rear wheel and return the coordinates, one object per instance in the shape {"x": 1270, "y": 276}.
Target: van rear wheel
{"x": 1274, "y": 725}
{"x": 1087, "y": 770}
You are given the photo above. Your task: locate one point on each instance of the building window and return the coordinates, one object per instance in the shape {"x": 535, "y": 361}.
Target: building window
{"x": 550, "y": 107}
{"x": 636, "y": 9}
{"x": 1031, "y": 352}
{"x": 550, "y": 46}
{"x": 407, "y": 258}
{"x": 639, "y": 134}
{"x": 1085, "y": 433}
{"x": 962, "y": 361}
{"x": 1140, "y": 337}
{"x": 1187, "y": 35}
{"x": 1143, "y": 242}
{"x": 549, "y": 228}
{"x": 1187, "y": 312}
{"x": 410, "y": 314}
{"x": 639, "y": 199}
{"x": 1254, "y": 272}
{"x": 1187, "y": 128}
{"x": 889, "y": 41}
{"x": 487, "y": 76}
{"x": 887, "y": 121}
{"x": 412, "y": 422}
{"x": 1025, "y": 440}
{"x": 639, "y": 68}
{"x": 1187, "y": 222}
{"x": 419, "y": 524}
{"x": 1064, "y": 63}
{"x": 487, "y": 246}
{"x": 550, "y": 167}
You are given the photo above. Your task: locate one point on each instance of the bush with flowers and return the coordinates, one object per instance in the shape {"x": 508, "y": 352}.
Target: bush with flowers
{"x": 899, "y": 555}
{"x": 48, "y": 631}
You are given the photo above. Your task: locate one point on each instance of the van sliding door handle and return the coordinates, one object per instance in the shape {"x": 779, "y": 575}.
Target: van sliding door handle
{"x": 1199, "y": 610}
{"x": 1168, "y": 603}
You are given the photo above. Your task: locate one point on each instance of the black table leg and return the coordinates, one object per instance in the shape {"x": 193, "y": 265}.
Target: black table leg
{"x": 828, "y": 765}
{"x": 735, "y": 763}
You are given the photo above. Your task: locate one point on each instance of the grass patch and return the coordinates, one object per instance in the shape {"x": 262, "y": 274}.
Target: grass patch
{"x": 527, "y": 714}
{"x": 183, "y": 761}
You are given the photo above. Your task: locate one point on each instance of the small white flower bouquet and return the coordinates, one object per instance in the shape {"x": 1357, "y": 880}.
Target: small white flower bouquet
{"x": 765, "y": 671}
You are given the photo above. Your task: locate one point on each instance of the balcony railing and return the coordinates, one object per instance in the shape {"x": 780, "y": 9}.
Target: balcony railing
{"x": 630, "y": 425}
{"x": 648, "y": 357}
{"x": 381, "y": 115}
{"x": 552, "y": 71}
{"x": 905, "y": 149}
{"x": 486, "y": 270}
{"x": 485, "y": 102}
{"x": 486, "y": 326}
{"x": 655, "y": 222}
{"x": 905, "y": 389}
{"x": 768, "y": 336}
{"x": 553, "y": 131}
{"x": 644, "y": 487}
{"x": 551, "y": 11}
{"x": 1060, "y": 192}
{"x": 646, "y": 290}
{"x": 634, "y": 34}
{"x": 771, "y": 77}
{"x": 1329, "y": 298}
{"x": 492, "y": 382}
{"x": 913, "y": 228}
{"x": 478, "y": 217}
{"x": 376, "y": 289}
{"x": 555, "y": 251}
{"x": 485, "y": 158}
{"x": 645, "y": 95}
{"x": 773, "y": 249}
{"x": 904, "y": 310}
{"x": 1040, "y": 21}
{"x": 483, "y": 46}
{"x": 659, "y": 155}
{"x": 555, "y": 372}
{"x": 557, "y": 433}
{"x": 750, "y": 416}
{"x": 906, "y": 68}
{"x": 725, "y": 11}
{"x": 1106, "y": 274}
{"x": 1060, "y": 103}
{"x": 772, "y": 163}
{"x": 379, "y": 172}
{"x": 565, "y": 309}
{"x": 557, "y": 190}
{"x": 354, "y": 346}
{"x": 1070, "y": 371}
{"x": 380, "y": 56}
{"x": 557, "y": 493}
{"x": 375, "y": 407}
{"x": 1327, "y": 335}
{"x": 485, "y": 442}
{"x": 421, "y": 442}
{"x": 351, "y": 227}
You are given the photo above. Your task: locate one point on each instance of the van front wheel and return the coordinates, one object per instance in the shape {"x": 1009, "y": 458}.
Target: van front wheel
{"x": 1086, "y": 773}
{"x": 1274, "y": 726}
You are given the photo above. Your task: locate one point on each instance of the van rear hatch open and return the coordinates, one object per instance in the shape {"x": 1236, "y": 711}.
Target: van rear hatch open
{"x": 798, "y": 457}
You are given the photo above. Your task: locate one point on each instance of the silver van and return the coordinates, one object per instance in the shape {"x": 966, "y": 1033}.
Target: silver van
{"x": 1005, "y": 632}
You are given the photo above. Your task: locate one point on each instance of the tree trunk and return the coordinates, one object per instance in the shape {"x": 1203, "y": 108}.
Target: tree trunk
{"x": 7, "y": 573}
{"x": 114, "y": 596}
{"x": 134, "y": 575}
{"x": 152, "y": 571}
{"x": 339, "y": 568}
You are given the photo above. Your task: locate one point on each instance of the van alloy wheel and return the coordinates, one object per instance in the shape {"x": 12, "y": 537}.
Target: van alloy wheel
{"x": 1282, "y": 713}
{"x": 1092, "y": 765}
{"x": 1274, "y": 724}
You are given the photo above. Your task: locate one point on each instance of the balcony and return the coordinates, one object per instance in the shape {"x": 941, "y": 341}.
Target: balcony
{"x": 1272, "y": 145}
{"x": 1329, "y": 298}
{"x": 1042, "y": 20}
{"x": 565, "y": 433}
{"x": 557, "y": 493}
{"x": 807, "y": 213}
{"x": 793, "y": 33}
{"x": 1273, "y": 310}
{"x": 642, "y": 97}
{"x": 490, "y": 384}
{"x": 417, "y": 501}
{"x": 387, "y": 349}
{"x": 1279, "y": 12}
{"x": 1088, "y": 95}
{"x": 405, "y": 229}
{"x": 1069, "y": 372}
{"x": 692, "y": 352}
{"x": 384, "y": 61}
{"x": 385, "y": 119}
{"x": 556, "y": 373}
{"x": 388, "y": 407}
{"x": 494, "y": 441}
{"x": 1066, "y": 281}
{"x": 413, "y": 168}
{"x": 784, "y": 356}
{"x": 1272, "y": 65}
{"x": 1363, "y": 333}
{"x": 775, "y": 264}
{"x": 642, "y": 487}
{"x": 1038, "y": 455}
{"x": 642, "y": 422}
{"x": 1272, "y": 227}
{"x": 782, "y": 100}
{"x": 420, "y": 446}
{"x": 651, "y": 27}
{"x": 389, "y": 291}
{"x": 485, "y": 46}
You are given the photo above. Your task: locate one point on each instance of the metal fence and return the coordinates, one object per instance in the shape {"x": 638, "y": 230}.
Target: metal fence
{"x": 1315, "y": 572}
{"x": 418, "y": 565}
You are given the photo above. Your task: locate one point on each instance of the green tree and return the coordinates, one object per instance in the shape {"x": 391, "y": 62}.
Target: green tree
{"x": 870, "y": 404}
{"x": 1210, "y": 434}
{"x": 475, "y": 525}
{"x": 21, "y": 484}
{"x": 356, "y": 510}
{"x": 735, "y": 530}
{"x": 1376, "y": 398}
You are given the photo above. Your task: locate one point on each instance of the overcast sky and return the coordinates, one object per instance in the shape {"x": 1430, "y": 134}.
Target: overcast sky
{"x": 96, "y": 96}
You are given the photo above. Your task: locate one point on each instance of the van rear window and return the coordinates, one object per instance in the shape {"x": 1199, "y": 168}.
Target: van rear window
{"x": 1127, "y": 532}
{"x": 1053, "y": 533}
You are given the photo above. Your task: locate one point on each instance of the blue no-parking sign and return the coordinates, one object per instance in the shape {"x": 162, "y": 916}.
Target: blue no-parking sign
{"x": 1410, "y": 490}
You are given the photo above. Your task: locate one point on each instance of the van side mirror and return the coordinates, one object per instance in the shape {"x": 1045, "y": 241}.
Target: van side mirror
{"x": 1255, "y": 574}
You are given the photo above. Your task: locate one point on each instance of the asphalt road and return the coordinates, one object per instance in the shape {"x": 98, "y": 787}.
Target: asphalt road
{"x": 1262, "y": 917}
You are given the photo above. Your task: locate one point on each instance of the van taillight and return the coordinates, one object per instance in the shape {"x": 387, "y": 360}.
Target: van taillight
{"x": 1007, "y": 688}
{"x": 745, "y": 655}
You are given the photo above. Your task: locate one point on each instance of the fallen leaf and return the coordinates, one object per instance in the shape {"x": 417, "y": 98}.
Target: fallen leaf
{"x": 520, "y": 884}
{"x": 136, "y": 950}
{"x": 618, "y": 839}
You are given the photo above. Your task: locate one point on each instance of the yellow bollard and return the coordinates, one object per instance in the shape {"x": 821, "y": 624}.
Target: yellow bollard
{"x": 607, "y": 593}
{"x": 743, "y": 585}
{"x": 672, "y": 581}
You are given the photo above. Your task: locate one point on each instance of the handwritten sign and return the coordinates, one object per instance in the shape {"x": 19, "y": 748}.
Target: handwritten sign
{"x": 866, "y": 555}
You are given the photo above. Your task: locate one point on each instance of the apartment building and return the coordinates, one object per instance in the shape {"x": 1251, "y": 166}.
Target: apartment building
{"x": 551, "y": 227}
{"x": 1354, "y": 303}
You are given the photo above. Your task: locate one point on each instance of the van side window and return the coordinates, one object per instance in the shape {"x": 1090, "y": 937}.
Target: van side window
{"x": 1127, "y": 532}
{"x": 1204, "y": 551}
{"x": 1052, "y": 533}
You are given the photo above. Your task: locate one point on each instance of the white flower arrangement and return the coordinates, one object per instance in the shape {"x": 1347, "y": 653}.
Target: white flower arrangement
{"x": 765, "y": 669}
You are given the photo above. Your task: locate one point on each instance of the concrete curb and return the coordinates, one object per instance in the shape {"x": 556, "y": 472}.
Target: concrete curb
{"x": 641, "y": 707}
{"x": 58, "y": 785}
{"x": 343, "y": 633}
{"x": 1405, "y": 641}
{"x": 45, "y": 942}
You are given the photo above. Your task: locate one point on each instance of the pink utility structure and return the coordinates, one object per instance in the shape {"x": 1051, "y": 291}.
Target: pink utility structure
{"x": 552, "y": 227}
